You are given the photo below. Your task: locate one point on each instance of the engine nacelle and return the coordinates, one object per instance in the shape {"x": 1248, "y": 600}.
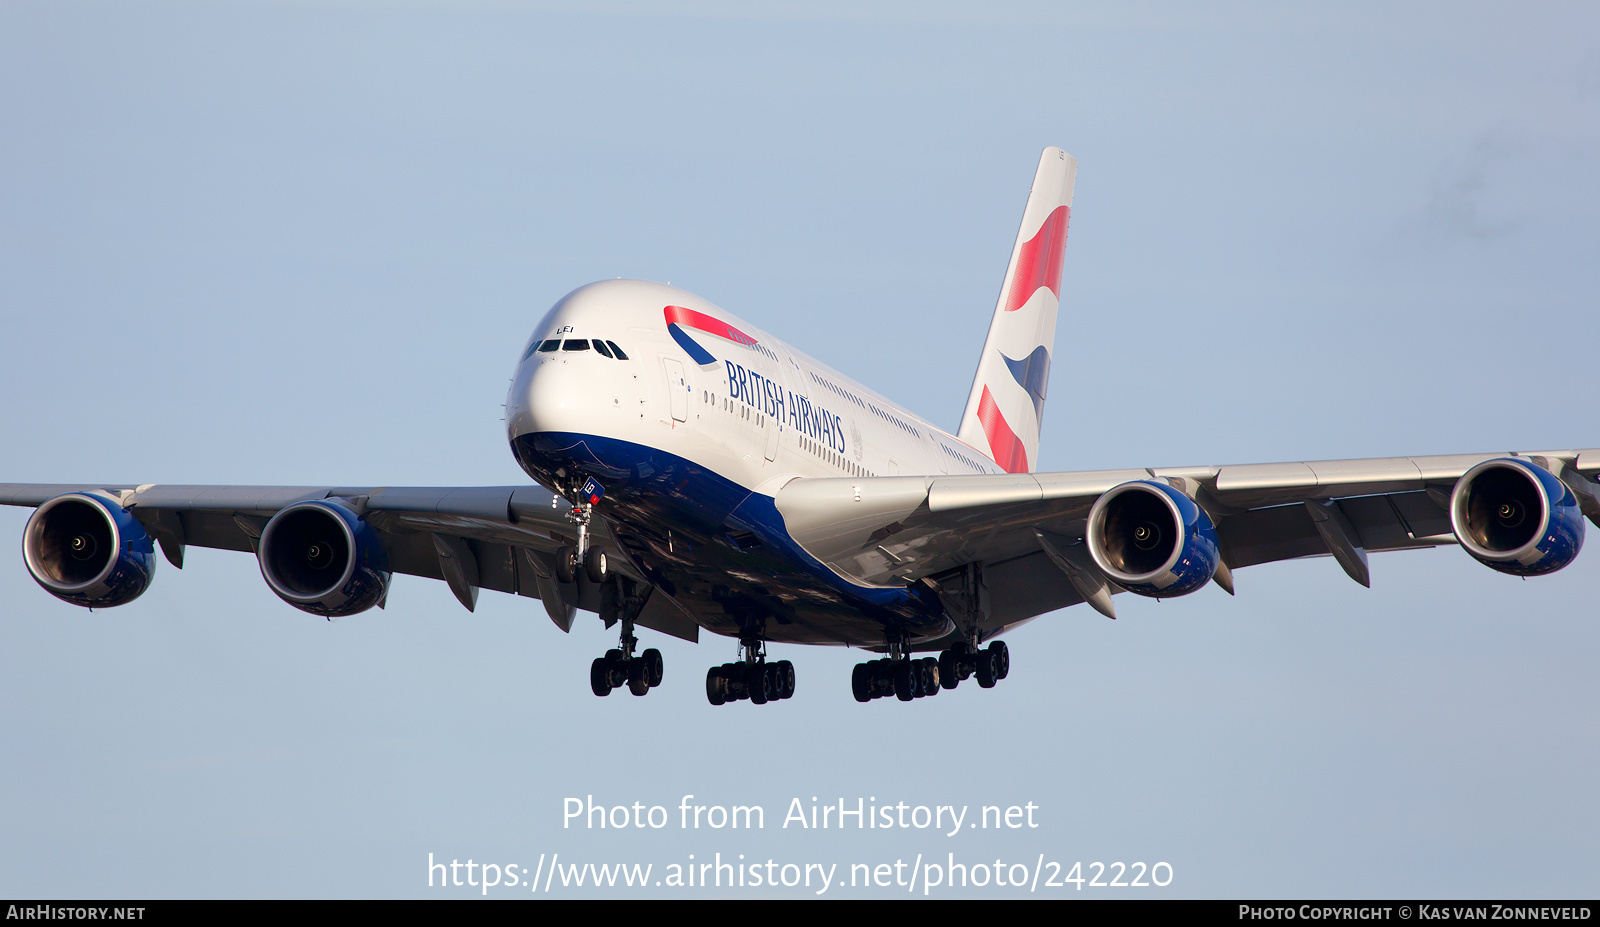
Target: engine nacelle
{"x": 1516, "y": 517}
{"x": 321, "y": 557}
{"x": 86, "y": 549}
{"x": 1151, "y": 539}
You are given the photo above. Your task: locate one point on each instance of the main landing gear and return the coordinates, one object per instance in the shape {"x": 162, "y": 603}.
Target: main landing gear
{"x": 619, "y": 667}
{"x": 965, "y": 660}
{"x": 752, "y": 677}
{"x": 906, "y": 678}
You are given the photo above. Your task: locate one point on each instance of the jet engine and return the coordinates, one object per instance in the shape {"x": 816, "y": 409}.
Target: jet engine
{"x": 321, "y": 557}
{"x": 1151, "y": 539}
{"x": 1516, "y": 517}
{"x": 86, "y": 549}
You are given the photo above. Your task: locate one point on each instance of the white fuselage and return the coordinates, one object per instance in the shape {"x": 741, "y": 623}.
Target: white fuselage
{"x": 760, "y": 414}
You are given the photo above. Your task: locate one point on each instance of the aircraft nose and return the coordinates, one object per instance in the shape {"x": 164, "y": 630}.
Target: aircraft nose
{"x": 541, "y": 399}
{"x": 575, "y": 390}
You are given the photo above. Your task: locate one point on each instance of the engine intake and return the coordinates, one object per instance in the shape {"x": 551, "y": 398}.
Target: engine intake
{"x": 86, "y": 549}
{"x": 321, "y": 557}
{"x": 1152, "y": 539}
{"x": 1516, "y": 517}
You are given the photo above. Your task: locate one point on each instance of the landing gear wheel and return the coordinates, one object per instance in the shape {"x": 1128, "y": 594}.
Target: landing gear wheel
{"x": 596, "y": 566}
{"x": 617, "y": 666}
{"x": 600, "y": 677}
{"x": 986, "y": 668}
{"x": 566, "y": 564}
{"x": 638, "y": 677}
{"x": 785, "y": 679}
{"x": 758, "y": 682}
{"x": 904, "y": 681}
{"x": 716, "y": 691}
{"x": 930, "y": 675}
{"x": 861, "y": 682}
{"x": 653, "y": 666}
{"x": 949, "y": 669}
{"x": 733, "y": 681}
{"x": 1002, "y": 659}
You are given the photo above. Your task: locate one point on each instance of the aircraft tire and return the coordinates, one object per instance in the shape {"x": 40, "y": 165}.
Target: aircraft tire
{"x": 986, "y": 661}
{"x": 566, "y": 564}
{"x": 904, "y": 680}
{"x": 600, "y": 677}
{"x": 617, "y": 666}
{"x": 756, "y": 680}
{"x": 638, "y": 677}
{"x": 861, "y": 682}
{"x": 716, "y": 692}
{"x": 1002, "y": 659}
{"x": 655, "y": 666}
{"x": 596, "y": 566}
{"x": 949, "y": 669}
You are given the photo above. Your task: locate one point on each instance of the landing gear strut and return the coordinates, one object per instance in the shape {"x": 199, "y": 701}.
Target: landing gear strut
{"x": 751, "y": 677}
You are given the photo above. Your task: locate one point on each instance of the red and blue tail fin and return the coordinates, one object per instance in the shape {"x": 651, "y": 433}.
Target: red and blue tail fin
{"x": 1007, "y": 398}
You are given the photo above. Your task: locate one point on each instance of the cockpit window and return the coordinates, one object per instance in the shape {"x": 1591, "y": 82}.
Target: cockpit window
{"x": 601, "y": 347}
{"x": 551, "y": 345}
{"x": 576, "y": 344}
{"x": 616, "y": 350}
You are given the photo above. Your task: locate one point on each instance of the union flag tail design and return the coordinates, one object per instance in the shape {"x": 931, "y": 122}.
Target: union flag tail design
{"x": 1007, "y": 398}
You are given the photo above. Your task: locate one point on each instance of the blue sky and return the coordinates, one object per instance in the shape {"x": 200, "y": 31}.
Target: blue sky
{"x": 298, "y": 243}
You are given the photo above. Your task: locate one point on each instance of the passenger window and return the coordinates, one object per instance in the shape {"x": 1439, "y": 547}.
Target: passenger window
{"x": 576, "y": 344}
{"x": 551, "y": 345}
{"x": 617, "y": 351}
{"x": 601, "y": 347}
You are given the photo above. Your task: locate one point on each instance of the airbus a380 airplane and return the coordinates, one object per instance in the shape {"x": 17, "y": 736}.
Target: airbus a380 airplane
{"x": 697, "y": 473}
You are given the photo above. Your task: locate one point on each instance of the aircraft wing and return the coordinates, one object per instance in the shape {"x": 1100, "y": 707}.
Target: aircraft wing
{"x": 490, "y": 537}
{"x": 1028, "y": 529}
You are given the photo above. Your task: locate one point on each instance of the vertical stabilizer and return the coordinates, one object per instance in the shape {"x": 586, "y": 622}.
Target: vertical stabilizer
{"x": 1007, "y": 397}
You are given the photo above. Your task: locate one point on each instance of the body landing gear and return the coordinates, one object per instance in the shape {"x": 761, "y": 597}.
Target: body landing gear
{"x": 752, "y": 677}
{"x": 964, "y": 660}
{"x": 906, "y": 678}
